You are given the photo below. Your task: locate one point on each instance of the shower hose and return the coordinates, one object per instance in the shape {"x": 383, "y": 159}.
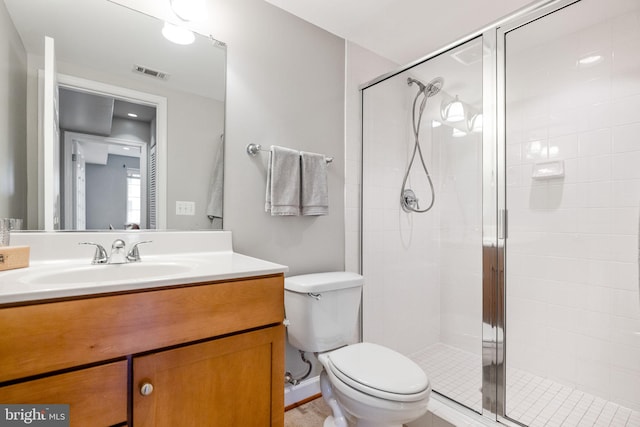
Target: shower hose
{"x": 408, "y": 200}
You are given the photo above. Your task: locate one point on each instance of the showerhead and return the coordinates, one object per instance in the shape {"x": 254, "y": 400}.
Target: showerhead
{"x": 434, "y": 86}
{"x": 431, "y": 88}
{"x": 411, "y": 81}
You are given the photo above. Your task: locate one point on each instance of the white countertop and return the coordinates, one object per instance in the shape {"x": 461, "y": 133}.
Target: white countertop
{"x": 174, "y": 258}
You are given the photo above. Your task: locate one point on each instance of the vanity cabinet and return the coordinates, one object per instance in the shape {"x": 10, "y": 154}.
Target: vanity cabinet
{"x": 172, "y": 389}
{"x": 96, "y": 396}
{"x": 195, "y": 354}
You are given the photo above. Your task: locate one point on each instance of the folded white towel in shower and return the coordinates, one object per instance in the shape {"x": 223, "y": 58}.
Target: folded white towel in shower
{"x": 283, "y": 182}
{"x": 314, "y": 197}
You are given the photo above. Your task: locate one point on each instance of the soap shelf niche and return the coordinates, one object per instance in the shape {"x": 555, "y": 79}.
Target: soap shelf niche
{"x": 548, "y": 170}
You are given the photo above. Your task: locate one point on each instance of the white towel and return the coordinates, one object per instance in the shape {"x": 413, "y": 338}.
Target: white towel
{"x": 214, "y": 208}
{"x": 315, "y": 190}
{"x": 283, "y": 182}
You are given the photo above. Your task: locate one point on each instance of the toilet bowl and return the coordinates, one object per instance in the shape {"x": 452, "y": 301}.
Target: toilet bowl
{"x": 365, "y": 384}
{"x": 375, "y": 386}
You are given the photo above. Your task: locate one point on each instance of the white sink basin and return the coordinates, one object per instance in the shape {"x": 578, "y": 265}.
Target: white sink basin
{"x": 107, "y": 273}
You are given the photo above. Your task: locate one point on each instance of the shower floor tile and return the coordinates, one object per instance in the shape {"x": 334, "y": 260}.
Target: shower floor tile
{"x": 531, "y": 400}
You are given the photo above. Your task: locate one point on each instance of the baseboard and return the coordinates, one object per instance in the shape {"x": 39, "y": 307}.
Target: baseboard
{"x": 302, "y": 402}
{"x": 296, "y": 395}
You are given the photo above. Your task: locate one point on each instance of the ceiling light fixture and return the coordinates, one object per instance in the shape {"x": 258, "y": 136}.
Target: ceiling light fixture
{"x": 452, "y": 111}
{"x": 177, "y": 35}
{"x": 475, "y": 123}
{"x": 134, "y": 115}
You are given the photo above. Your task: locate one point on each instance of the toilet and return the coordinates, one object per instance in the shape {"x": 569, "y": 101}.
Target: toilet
{"x": 365, "y": 384}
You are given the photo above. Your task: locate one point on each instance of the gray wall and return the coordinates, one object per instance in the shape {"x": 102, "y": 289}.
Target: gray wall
{"x": 192, "y": 149}
{"x": 285, "y": 86}
{"x": 13, "y": 87}
{"x": 107, "y": 192}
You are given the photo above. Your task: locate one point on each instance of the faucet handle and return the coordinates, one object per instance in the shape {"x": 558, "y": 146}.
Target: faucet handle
{"x": 134, "y": 254}
{"x": 100, "y": 256}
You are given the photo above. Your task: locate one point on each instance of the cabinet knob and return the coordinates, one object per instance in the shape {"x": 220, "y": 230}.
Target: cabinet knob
{"x": 146, "y": 389}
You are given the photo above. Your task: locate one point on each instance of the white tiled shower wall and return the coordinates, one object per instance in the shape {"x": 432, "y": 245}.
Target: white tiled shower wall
{"x": 573, "y": 309}
{"x": 401, "y": 296}
{"x": 423, "y": 270}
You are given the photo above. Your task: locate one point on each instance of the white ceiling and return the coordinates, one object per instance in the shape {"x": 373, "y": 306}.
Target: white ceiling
{"x": 101, "y": 35}
{"x": 401, "y": 30}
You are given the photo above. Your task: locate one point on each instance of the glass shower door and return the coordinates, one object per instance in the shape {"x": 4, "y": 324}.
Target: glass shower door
{"x": 423, "y": 270}
{"x": 572, "y": 154}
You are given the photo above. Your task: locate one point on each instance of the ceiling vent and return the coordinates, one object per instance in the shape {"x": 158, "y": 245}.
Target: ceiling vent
{"x": 470, "y": 54}
{"x": 150, "y": 72}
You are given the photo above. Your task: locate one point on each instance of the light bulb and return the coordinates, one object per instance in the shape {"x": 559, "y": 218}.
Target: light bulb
{"x": 454, "y": 111}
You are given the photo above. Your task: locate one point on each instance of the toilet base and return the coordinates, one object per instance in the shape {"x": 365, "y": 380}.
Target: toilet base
{"x": 328, "y": 422}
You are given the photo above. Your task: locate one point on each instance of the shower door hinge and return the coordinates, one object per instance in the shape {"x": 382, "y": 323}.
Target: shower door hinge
{"x": 503, "y": 224}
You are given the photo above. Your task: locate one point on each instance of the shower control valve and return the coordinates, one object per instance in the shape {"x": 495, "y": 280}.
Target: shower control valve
{"x": 409, "y": 201}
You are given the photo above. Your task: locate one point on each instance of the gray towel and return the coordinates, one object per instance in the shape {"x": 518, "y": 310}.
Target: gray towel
{"x": 283, "y": 182}
{"x": 315, "y": 190}
{"x": 214, "y": 208}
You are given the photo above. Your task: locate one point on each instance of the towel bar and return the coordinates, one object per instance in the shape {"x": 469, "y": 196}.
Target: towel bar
{"x": 254, "y": 149}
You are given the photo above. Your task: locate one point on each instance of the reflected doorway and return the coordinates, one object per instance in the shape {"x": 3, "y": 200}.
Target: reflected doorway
{"x": 105, "y": 183}
{"x": 108, "y": 158}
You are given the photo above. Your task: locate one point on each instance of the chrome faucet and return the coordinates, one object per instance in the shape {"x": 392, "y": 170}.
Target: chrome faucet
{"x": 117, "y": 252}
{"x": 117, "y": 255}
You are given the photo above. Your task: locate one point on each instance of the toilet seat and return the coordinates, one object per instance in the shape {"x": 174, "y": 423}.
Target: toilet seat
{"x": 380, "y": 372}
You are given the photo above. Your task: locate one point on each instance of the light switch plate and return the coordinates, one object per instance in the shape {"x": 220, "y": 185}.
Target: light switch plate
{"x": 185, "y": 208}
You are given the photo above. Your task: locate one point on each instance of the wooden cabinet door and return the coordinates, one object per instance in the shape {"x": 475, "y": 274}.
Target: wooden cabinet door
{"x": 96, "y": 396}
{"x": 231, "y": 381}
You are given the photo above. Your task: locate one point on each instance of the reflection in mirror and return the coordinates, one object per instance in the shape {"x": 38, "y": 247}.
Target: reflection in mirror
{"x": 116, "y": 170}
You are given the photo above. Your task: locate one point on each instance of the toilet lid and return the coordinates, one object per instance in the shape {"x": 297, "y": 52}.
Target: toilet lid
{"x": 379, "y": 371}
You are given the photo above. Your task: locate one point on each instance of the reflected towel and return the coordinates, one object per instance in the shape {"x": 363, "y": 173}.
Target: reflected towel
{"x": 214, "y": 208}
{"x": 315, "y": 189}
{"x": 283, "y": 182}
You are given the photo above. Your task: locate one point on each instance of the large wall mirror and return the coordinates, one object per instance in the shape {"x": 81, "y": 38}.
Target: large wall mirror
{"x": 139, "y": 133}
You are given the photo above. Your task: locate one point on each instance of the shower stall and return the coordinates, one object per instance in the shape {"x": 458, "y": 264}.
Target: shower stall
{"x": 501, "y": 211}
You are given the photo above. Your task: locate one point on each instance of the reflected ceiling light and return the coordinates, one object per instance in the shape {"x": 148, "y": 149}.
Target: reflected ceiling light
{"x": 457, "y": 133}
{"x": 452, "y": 111}
{"x": 132, "y": 115}
{"x": 590, "y": 60}
{"x": 177, "y": 35}
{"x": 435, "y": 124}
{"x": 475, "y": 123}
{"x": 188, "y": 10}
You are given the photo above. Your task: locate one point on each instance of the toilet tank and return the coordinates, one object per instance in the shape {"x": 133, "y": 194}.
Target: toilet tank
{"x": 323, "y": 310}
